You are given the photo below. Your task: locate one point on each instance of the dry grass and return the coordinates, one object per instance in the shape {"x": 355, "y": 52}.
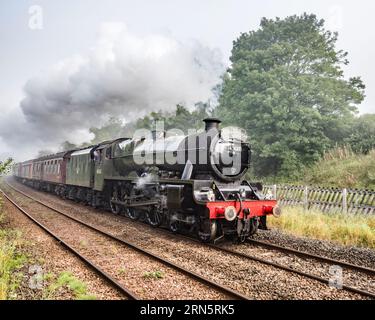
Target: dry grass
{"x": 344, "y": 229}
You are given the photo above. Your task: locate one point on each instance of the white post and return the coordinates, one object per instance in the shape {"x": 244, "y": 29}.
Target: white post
{"x": 306, "y": 198}
{"x": 344, "y": 200}
{"x": 274, "y": 191}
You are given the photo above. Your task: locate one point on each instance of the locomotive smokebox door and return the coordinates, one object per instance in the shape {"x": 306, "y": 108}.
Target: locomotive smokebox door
{"x": 174, "y": 196}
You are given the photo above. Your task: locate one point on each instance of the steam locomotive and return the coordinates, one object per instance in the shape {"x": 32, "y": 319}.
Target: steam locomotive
{"x": 190, "y": 183}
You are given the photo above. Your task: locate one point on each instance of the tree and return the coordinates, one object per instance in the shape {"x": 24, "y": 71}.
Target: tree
{"x": 362, "y": 134}
{"x": 286, "y": 87}
{"x": 5, "y": 166}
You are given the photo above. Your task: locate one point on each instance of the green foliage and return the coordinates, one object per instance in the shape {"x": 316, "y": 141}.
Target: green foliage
{"x": 11, "y": 260}
{"x": 154, "y": 275}
{"x": 5, "y": 166}
{"x": 286, "y": 87}
{"x": 361, "y": 137}
{"x": 69, "y": 281}
{"x": 181, "y": 118}
{"x": 342, "y": 168}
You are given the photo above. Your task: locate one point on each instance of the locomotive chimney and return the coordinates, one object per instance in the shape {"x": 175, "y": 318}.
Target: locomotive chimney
{"x": 211, "y": 123}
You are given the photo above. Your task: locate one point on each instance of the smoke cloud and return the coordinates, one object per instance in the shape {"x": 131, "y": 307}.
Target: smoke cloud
{"x": 123, "y": 75}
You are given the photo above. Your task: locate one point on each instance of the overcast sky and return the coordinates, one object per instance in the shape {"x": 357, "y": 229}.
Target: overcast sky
{"x": 203, "y": 28}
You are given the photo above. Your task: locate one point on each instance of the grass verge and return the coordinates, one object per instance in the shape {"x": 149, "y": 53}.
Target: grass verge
{"x": 348, "y": 230}
{"x": 15, "y": 273}
{"x": 66, "y": 281}
{"x": 12, "y": 260}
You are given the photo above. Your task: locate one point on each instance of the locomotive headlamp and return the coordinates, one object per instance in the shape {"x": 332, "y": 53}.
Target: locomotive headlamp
{"x": 276, "y": 211}
{"x": 230, "y": 213}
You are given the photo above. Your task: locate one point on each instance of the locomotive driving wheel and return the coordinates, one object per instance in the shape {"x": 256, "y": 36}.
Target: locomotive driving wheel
{"x": 154, "y": 216}
{"x": 132, "y": 213}
{"x": 207, "y": 230}
{"x": 174, "y": 224}
{"x": 115, "y": 196}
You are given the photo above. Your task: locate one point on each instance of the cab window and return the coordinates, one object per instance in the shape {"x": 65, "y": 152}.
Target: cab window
{"x": 122, "y": 148}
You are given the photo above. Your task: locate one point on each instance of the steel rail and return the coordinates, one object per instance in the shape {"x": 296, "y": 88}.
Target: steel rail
{"x": 305, "y": 254}
{"x": 301, "y": 273}
{"x": 279, "y": 266}
{"x": 167, "y": 262}
{"x": 114, "y": 283}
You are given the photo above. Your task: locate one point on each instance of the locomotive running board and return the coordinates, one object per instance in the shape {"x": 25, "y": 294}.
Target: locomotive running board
{"x": 137, "y": 204}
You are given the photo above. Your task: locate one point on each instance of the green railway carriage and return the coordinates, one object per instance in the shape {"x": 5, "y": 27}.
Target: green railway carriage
{"x": 80, "y": 168}
{"x": 88, "y": 168}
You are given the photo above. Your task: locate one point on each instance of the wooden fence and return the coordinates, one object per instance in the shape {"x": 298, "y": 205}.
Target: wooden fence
{"x": 351, "y": 201}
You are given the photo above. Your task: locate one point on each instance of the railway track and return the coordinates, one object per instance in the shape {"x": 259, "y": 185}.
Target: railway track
{"x": 295, "y": 271}
{"x": 225, "y": 290}
{"x": 304, "y": 254}
{"x": 247, "y": 256}
{"x": 101, "y": 273}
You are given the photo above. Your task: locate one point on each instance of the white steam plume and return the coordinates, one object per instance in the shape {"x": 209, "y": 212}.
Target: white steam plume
{"x": 123, "y": 75}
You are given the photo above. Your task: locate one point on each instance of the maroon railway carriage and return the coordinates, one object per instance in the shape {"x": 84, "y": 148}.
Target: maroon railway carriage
{"x": 26, "y": 169}
{"x": 45, "y": 173}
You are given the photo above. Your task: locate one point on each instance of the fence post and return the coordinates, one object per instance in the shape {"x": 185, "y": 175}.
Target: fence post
{"x": 274, "y": 191}
{"x": 344, "y": 200}
{"x": 306, "y": 198}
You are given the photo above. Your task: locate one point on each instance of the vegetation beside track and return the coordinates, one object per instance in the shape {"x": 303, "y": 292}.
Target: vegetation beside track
{"x": 17, "y": 255}
{"x": 348, "y": 230}
{"x": 66, "y": 281}
{"x": 342, "y": 168}
{"x": 12, "y": 259}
